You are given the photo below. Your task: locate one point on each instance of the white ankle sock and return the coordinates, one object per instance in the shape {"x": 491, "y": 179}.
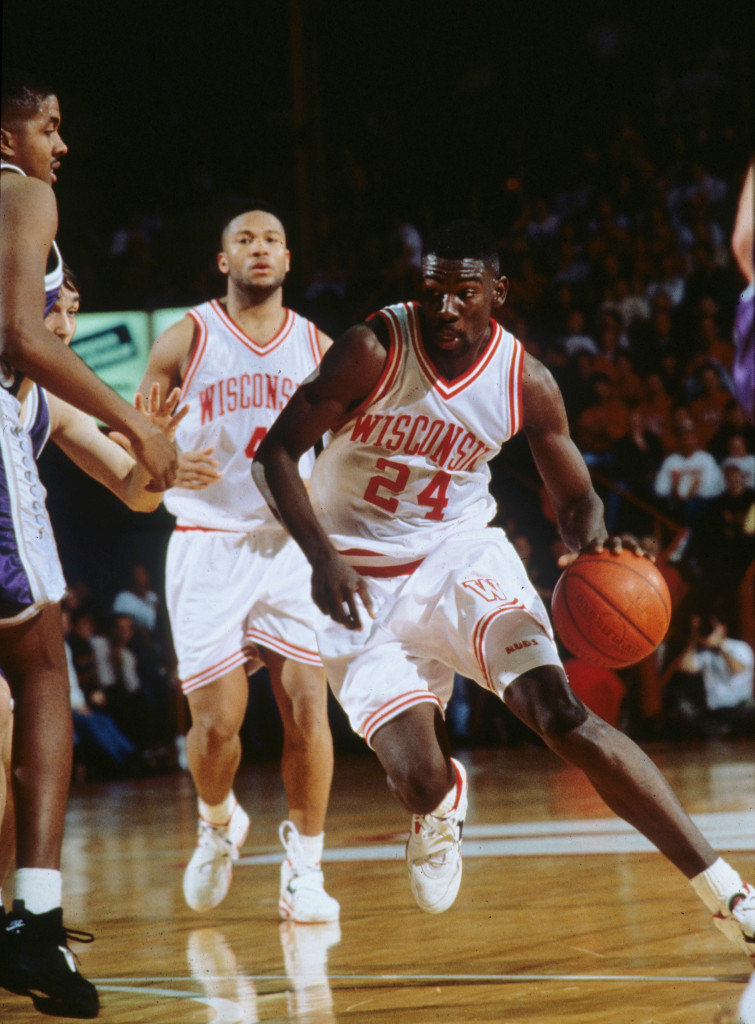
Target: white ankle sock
{"x": 450, "y": 800}
{"x": 41, "y": 889}
{"x": 311, "y": 848}
{"x": 716, "y": 885}
{"x": 217, "y": 814}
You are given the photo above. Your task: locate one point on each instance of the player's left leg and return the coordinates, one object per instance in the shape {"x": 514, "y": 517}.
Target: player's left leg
{"x": 7, "y": 812}
{"x": 631, "y": 785}
{"x": 301, "y": 694}
{"x": 413, "y": 748}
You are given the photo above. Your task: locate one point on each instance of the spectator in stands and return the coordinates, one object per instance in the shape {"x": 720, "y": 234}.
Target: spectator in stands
{"x": 576, "y": 339}
{"x": 710, "y": 691}
{"x": 710, "y": 398}
{"x": 738, "y": 455}
{"x": 138, "y": 600}
{"x": 722, "y": 547}
{"x": 734, "y": 422}
{"x": 602, "y": 423}
{"x": 637, "y": 457}
{"x": 688, "y": 478}
{"x": 100, "y": 744}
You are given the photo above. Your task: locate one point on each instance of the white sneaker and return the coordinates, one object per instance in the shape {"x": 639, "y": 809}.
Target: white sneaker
{"x": 433, "y": 853}
{"x": 737, "y": 920}
{"x": 302, "y": 895}
{"x": 208, "y": 874}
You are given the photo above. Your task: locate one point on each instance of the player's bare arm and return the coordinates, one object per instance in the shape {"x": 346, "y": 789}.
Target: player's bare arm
{"x": 28, "y": 222}
{"x": 169, "y": 357}
{"x": 578, "y": 509}
{"x": 103, "y": 457}
{"x": 347, "y": 375}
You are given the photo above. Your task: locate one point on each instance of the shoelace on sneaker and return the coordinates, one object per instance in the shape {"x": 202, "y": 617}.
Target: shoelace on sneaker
{"x": 211, "y": 836}
{"x": 435, "y": 834}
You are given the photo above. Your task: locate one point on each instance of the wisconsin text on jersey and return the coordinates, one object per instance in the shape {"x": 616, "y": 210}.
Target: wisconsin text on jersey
{"x": 436, "y": 440}
{"x": 246, "y": 391}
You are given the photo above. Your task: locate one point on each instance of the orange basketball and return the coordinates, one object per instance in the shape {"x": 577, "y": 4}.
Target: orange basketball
{"x": 611, "y": 609}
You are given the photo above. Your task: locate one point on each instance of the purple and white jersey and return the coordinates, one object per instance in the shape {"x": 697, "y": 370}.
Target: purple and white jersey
{"x": 30, "y": 571}
{"x": 744, "y": 359}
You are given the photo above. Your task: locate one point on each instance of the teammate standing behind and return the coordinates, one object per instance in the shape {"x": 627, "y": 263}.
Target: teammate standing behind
{"x": 237, "y": 587}
{"x": 419, "y": 400}
{"x": 34, "y": 955}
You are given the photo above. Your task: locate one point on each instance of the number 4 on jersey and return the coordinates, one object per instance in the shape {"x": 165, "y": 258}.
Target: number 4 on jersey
{"x": 255, "y": 441}
{"x": 435, "y": 495}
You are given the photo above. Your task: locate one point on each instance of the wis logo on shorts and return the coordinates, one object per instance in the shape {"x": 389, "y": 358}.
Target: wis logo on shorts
{"x": 488, "y": 590}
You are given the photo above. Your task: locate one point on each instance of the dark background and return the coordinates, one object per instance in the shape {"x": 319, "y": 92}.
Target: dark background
{"x": 350, "y": 118}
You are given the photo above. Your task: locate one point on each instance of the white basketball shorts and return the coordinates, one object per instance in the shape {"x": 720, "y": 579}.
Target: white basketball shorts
{"x": 469, "y": 608}
{"x": 30, "y": 571}
{"x": 230, "y": 593}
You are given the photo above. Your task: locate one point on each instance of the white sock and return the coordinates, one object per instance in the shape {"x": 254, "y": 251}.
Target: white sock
{"x": 311, "y": 848}
{"x": 716, "y": 885}
{"x": 451, "y": 799}
{"x": 41, "y": 889}
{"x": 217, "y": 814}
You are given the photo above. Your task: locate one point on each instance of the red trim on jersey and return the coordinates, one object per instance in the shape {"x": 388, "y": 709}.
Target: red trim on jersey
{"x": 199, "y": 346}
{"x": 382, "y": 565}
{"x": 387, "y": 571}
{"x": 445, "y": 388}
{"x": 515, "y": 388}
{"x": 391, "y": 368}
{"x": 203, "y": 529}
{"x": 245, "y": 339}
{"x": 394, "y": 707}
{"x": 480, "y": 631}
{"x": 314, "y": 342}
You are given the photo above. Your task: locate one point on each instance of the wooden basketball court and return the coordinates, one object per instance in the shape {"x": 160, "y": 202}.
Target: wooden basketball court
{"x": 565, "y": 915}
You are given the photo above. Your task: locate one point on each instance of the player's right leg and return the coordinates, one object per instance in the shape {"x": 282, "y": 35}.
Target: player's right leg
{"x": 34, "y": 955}
{"x": 631, "y": 785}
{"x": 301, "y": 694}
{"x": 213, "y": 750}
{"x": 413, "y": 749}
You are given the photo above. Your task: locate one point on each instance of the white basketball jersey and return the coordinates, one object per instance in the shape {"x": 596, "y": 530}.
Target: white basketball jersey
{"x": 235, "y": 389}
{"x": 411, "y": 465}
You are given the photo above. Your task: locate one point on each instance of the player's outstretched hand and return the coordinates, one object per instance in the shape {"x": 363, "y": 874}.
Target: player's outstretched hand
{"x": 197, "y": 470}
{"x": 335, "y": 588}
{"x": 614, "y": 543}
{"x": 162, "y": 411}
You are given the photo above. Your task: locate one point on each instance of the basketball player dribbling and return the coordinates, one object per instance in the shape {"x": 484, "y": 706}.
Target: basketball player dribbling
{"x": 236, "y": 585}
{"x": 418, "y": 400}
{"x": 34, "y": 957}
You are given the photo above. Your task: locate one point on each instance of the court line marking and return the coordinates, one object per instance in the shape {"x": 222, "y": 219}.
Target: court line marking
{"x": 430, "y": 979}
{"x": 726, "y": 830}
{"x": 228, "y": 1012}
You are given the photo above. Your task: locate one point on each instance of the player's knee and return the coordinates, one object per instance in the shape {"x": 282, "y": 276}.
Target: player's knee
{"x": 215, "y": 732}
{"x": 420, "y": 788}
{"x": 545, "y": 701}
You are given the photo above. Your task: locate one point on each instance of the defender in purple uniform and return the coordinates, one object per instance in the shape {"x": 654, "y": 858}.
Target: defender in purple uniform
{"x": 34, "y": 957}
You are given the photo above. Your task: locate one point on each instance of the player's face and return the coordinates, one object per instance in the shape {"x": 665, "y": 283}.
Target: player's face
{"x": 61, "y": 319}
{"x": 36, "y": 146}
{"x": 254, "y": 253}
{"x": 458, "y": 298}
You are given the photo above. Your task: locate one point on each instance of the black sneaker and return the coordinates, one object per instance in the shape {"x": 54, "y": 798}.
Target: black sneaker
{"x": 37, "y": 962}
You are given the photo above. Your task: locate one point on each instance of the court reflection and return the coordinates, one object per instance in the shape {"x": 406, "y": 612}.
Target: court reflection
{"x": 309, "y": 1000}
